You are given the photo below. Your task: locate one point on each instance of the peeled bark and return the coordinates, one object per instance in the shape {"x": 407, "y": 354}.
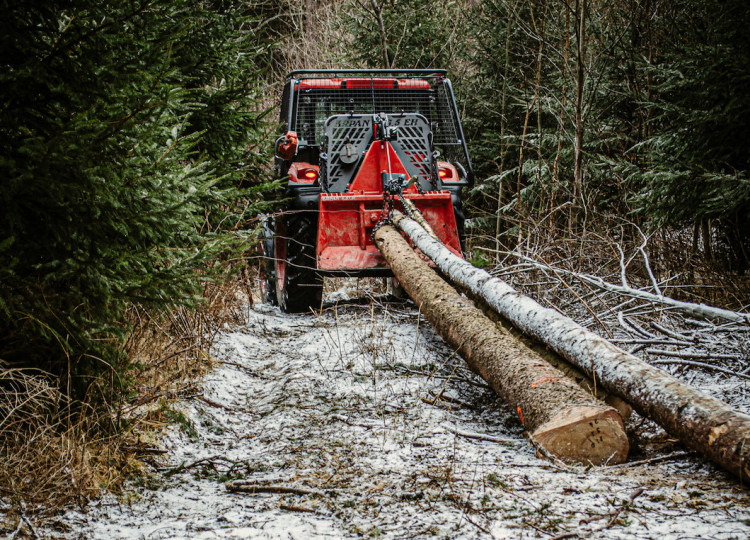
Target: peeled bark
{"x": 706, "y": 424}
{"x": 562, "y": 418}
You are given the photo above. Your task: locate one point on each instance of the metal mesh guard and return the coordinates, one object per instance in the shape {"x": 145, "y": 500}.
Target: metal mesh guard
{"x": 412, "y": 146}
{"x": 342, "y": 130}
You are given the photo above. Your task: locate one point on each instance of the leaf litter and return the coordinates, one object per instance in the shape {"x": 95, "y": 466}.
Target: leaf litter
{"x": 359, "y": 421}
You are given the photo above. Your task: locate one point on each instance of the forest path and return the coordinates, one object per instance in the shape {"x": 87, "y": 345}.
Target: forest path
{"x": 344, "y": 403}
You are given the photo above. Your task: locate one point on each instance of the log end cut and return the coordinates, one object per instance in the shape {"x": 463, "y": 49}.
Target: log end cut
{"x": 585, "y": 435}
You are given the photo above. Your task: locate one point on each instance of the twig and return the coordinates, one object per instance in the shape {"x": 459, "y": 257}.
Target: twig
{"x": 145, "y": 450}
{"x": 162, "y": 360}
{"x": 703, "y": 365}
{"x": 18, "y": 529}
{"x": 210, "y": 460}
{"x": 628, "y": 504}
{"x": 294, "y": 508}
{"x": 28, "y": 522}
{"x": 647, "y": 263}
{"x": 668, "y": 332}
{"x": 623, "y": 267}
{"x": 477, "y": 525}
{"x": 210, "y": 402}
{"x": 242, "y": 486}
{"x": 673, "y": 455}
{"x": 565, "y": 535}
{"x": 479, "y": 436}
{"x": 441, "y": 395}
{"x": 632, "y": 328}
{"x": 446, "y": 377}
{"x": 437, "y": 403}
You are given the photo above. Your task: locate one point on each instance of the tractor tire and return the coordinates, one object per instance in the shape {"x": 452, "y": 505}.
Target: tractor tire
{"x": 298, "y": 286}
{"x": 460, "y": 226}
{"x": 394, "y": 289}
{"x": 267, "y": 266}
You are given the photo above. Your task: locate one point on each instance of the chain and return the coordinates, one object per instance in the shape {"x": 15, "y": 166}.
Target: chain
{"x": 385, "y": 215}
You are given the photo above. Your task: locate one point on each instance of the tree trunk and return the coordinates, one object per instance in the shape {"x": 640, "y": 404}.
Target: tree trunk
{"x": 562, "y": 418}
{"x": 378, "y": 12}
{"x": 557, "y": 361}
{"x": 701, "y": 422}
{"x": 580, "y": 11}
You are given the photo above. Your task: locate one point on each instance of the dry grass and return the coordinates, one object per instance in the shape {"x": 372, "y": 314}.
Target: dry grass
{"x": 54, "y": 452}
{"x": 47, "y": 455}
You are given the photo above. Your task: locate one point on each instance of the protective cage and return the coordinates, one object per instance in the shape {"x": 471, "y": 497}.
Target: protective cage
{"x": 312, "y": 96}
{"x": 363, "y": 141}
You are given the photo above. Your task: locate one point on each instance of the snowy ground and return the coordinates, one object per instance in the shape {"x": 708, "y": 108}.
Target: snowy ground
{"x": 344, "y": 405}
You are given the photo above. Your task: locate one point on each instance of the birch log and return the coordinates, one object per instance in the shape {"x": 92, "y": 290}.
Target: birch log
{"x": 562, "y": 418}
{"x": 704, "y": 423}
{"x": 557, "y": 361}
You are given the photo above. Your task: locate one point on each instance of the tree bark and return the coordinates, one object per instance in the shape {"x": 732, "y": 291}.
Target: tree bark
{"x": 580, "y": 13}
{"x": 557, "y": 361}
{"x": 378, "y": 11}
{"x": 706, "y": 424}
{"x": 561, "y": 417}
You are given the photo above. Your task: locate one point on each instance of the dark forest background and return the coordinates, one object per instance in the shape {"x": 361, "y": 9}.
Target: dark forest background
{"x": 136, "y": 142}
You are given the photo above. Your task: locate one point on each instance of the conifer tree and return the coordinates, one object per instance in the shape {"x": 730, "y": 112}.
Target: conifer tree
{"x": 123, "y": 124}
{"x": 404, "y": 34}
{"x": 697, "y": 161}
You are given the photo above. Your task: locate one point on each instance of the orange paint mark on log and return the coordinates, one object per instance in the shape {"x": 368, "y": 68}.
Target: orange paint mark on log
{"x": 520, "y": 413}
{"x": 545, "y": 380}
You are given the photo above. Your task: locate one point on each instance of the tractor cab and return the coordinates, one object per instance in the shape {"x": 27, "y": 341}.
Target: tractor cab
{"x": 356, "y": 143}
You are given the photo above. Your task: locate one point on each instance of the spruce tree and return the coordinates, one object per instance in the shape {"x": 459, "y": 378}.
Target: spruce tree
{"x": 696, "y": 168}
{"x": 123, "y": 124}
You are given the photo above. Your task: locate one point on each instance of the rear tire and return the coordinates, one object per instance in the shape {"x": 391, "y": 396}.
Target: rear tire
{"x": 394, "y": 289}
{"x": 298, "y": 286}
{"x": 460, "y": 226}
{"x": 267, "y": 266}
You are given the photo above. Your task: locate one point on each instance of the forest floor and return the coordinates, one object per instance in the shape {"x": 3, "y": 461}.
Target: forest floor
{"x": 382, "y": 431}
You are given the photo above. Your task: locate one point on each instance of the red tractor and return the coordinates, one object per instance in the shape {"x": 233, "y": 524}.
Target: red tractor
{"x": 357, "y": 143}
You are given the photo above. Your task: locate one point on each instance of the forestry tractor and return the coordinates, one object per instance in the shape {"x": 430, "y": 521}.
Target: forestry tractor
{"x": 355, "y": 145}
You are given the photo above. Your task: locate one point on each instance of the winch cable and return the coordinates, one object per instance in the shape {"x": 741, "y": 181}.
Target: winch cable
{"x": 394, "y": 189}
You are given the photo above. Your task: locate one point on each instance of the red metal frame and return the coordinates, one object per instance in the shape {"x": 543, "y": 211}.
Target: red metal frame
{"x": 346, "y": 220}
{"x": 364, "y": 83}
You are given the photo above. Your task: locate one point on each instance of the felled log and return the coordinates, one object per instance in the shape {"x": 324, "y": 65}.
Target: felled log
{"x": 562, "y": 418}
{"x": 558, "y": 362}
{"x": 704, "y": 423}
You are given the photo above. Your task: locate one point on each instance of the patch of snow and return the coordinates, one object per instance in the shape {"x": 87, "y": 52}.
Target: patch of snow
{"x": 344, "y": 402}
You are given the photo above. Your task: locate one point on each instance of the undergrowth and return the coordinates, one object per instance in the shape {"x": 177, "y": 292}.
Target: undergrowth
{"x": 56, "y": 451}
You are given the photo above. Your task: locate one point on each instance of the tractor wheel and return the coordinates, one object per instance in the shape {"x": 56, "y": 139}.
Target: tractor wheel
{"x": 460, "y": 226}
{"x": 267, "y": 267}
{"x": 298, "y": 286}
{"x": 394, "y": 289}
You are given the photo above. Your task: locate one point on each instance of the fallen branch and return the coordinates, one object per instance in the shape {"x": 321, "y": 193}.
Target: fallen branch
{"x": 701, "y": 422}
{"x": 480, "y": 436}
{"x": 658, "y": 459}
{"x": 689, "y": 355}
{"x": 703, "y": 365}
{"x": 696, "y": 310}
{"x": 244, "y": 486}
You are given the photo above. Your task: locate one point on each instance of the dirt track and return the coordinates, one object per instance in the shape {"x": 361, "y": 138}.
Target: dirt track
{"x": 345, "y": 403}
